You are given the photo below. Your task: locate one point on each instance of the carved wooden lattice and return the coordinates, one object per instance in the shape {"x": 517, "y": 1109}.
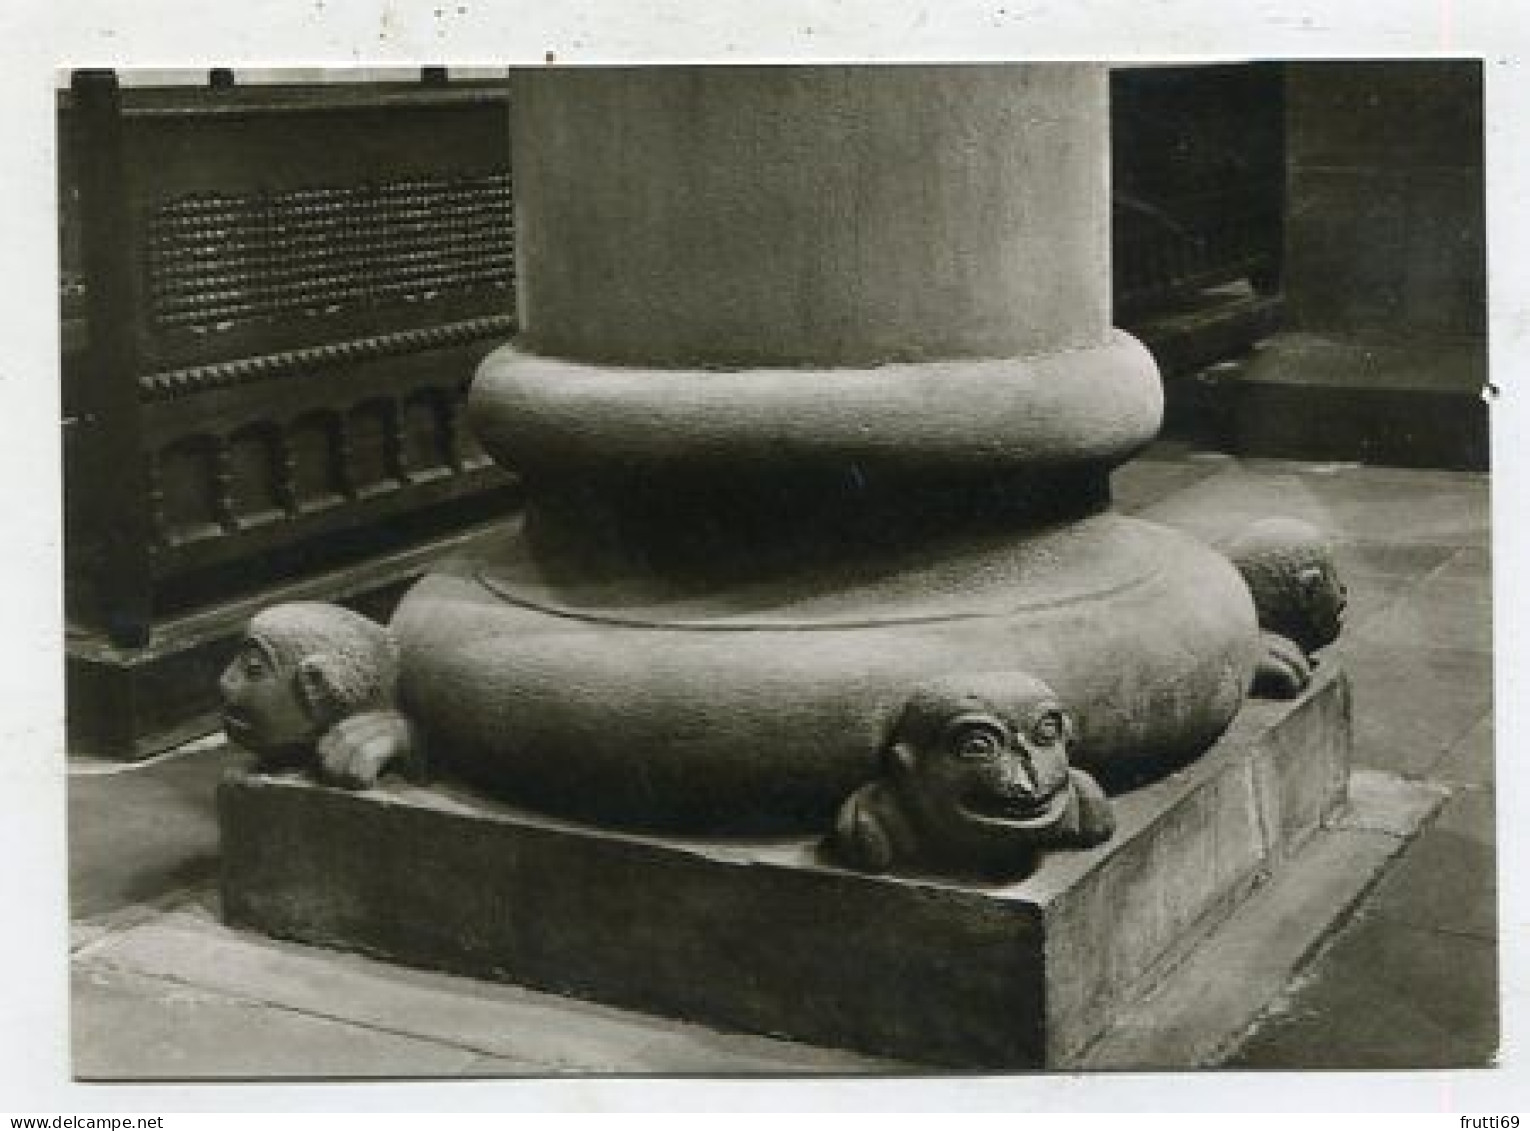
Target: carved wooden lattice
{"x": 285, "y": 293}
{"x": 216, "y": 260}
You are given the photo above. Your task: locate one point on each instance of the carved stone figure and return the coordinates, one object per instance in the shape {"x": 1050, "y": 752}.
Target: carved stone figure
{"x": 313, "y": 687}
{"x": 976, "y": 782}
{"x": 1300, "y": 600}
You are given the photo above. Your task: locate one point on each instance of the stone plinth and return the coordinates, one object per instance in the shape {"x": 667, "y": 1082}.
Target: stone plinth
{"x": 1385, "y": 355}
{"x": 762, "y": 935}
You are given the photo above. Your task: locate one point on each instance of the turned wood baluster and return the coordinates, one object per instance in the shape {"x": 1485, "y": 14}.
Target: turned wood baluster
{"x": 396, "y": 445}
{"x": 451, "y": 437}
{"x": 344, "y": 454}
{"x": 286, "y": 472}
{"x": 223, "y": 486}
{"x": 159, "y": 521}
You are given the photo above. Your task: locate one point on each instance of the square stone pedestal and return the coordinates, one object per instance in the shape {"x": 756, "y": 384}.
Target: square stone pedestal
{"x": 764, "y": 936}
{"x": 1335, "y": 397}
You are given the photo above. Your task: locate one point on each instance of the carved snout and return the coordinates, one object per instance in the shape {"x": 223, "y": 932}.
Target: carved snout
{"x": 1017, "y": 776}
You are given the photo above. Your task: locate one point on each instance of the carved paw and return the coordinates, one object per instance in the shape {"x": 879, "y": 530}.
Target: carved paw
{"x": 859, "y": 839}
{"x": 1096, "y": 818}
{"x": 1284, "y": 671}
{"x": 354, "y": 752}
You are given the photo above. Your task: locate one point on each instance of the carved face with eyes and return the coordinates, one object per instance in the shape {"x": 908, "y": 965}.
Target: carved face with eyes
{"x": 1324, "y": 599}
{"x": 1289, "y": 568}
{"x": 980, "y": 757}
{"x": 302, "y": 667}
{"x": 264, "y": 708}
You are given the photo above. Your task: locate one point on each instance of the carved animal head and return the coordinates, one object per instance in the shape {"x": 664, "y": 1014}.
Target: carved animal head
{"x": 983, "y": 754}
{"x": 302, "y": 667}
{"x": 1288, "y": 566}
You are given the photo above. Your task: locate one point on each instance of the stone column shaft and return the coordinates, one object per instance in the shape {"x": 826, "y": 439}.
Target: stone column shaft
{"x": 810, "y": 216}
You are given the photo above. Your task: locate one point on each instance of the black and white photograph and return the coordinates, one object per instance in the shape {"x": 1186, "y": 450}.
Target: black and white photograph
{"x": 952, "y": 569}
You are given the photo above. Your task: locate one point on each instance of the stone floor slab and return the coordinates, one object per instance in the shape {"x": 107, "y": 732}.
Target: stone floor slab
{"x": 1365, "y": 503}
{"x": 521, "y": 1031}
{"x": 1156, "y": 475}
{"x": 1472, "y": 816}
{"x": 1403, "y": 561}
{"x": 1217, "y": 508}
{"x": 127, "y": 1026}
{"x": 492, "y": 1068}
{"x": 1415, "y": 704}
{"x": 1453, "y": 613}
{"x": 1397, "y": 504}
{"x": 1473, "y": 562}
{"x": 137, "y": 834}
{"x": 1470, "y": 762}
{"x": 1371, "y": 595}
{"x": 1446, "y": 881}
{"x": 1384, "y": 803}
{"x": 1385, "y": 995}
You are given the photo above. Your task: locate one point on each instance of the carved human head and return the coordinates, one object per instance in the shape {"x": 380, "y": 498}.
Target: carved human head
{"x": 986, "y": 752}
{"x": 302, "y": 667}
{"x": 1288, "y": 565}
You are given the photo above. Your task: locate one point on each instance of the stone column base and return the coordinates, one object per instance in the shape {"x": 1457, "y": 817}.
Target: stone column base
{"x": 762, "y": 935}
